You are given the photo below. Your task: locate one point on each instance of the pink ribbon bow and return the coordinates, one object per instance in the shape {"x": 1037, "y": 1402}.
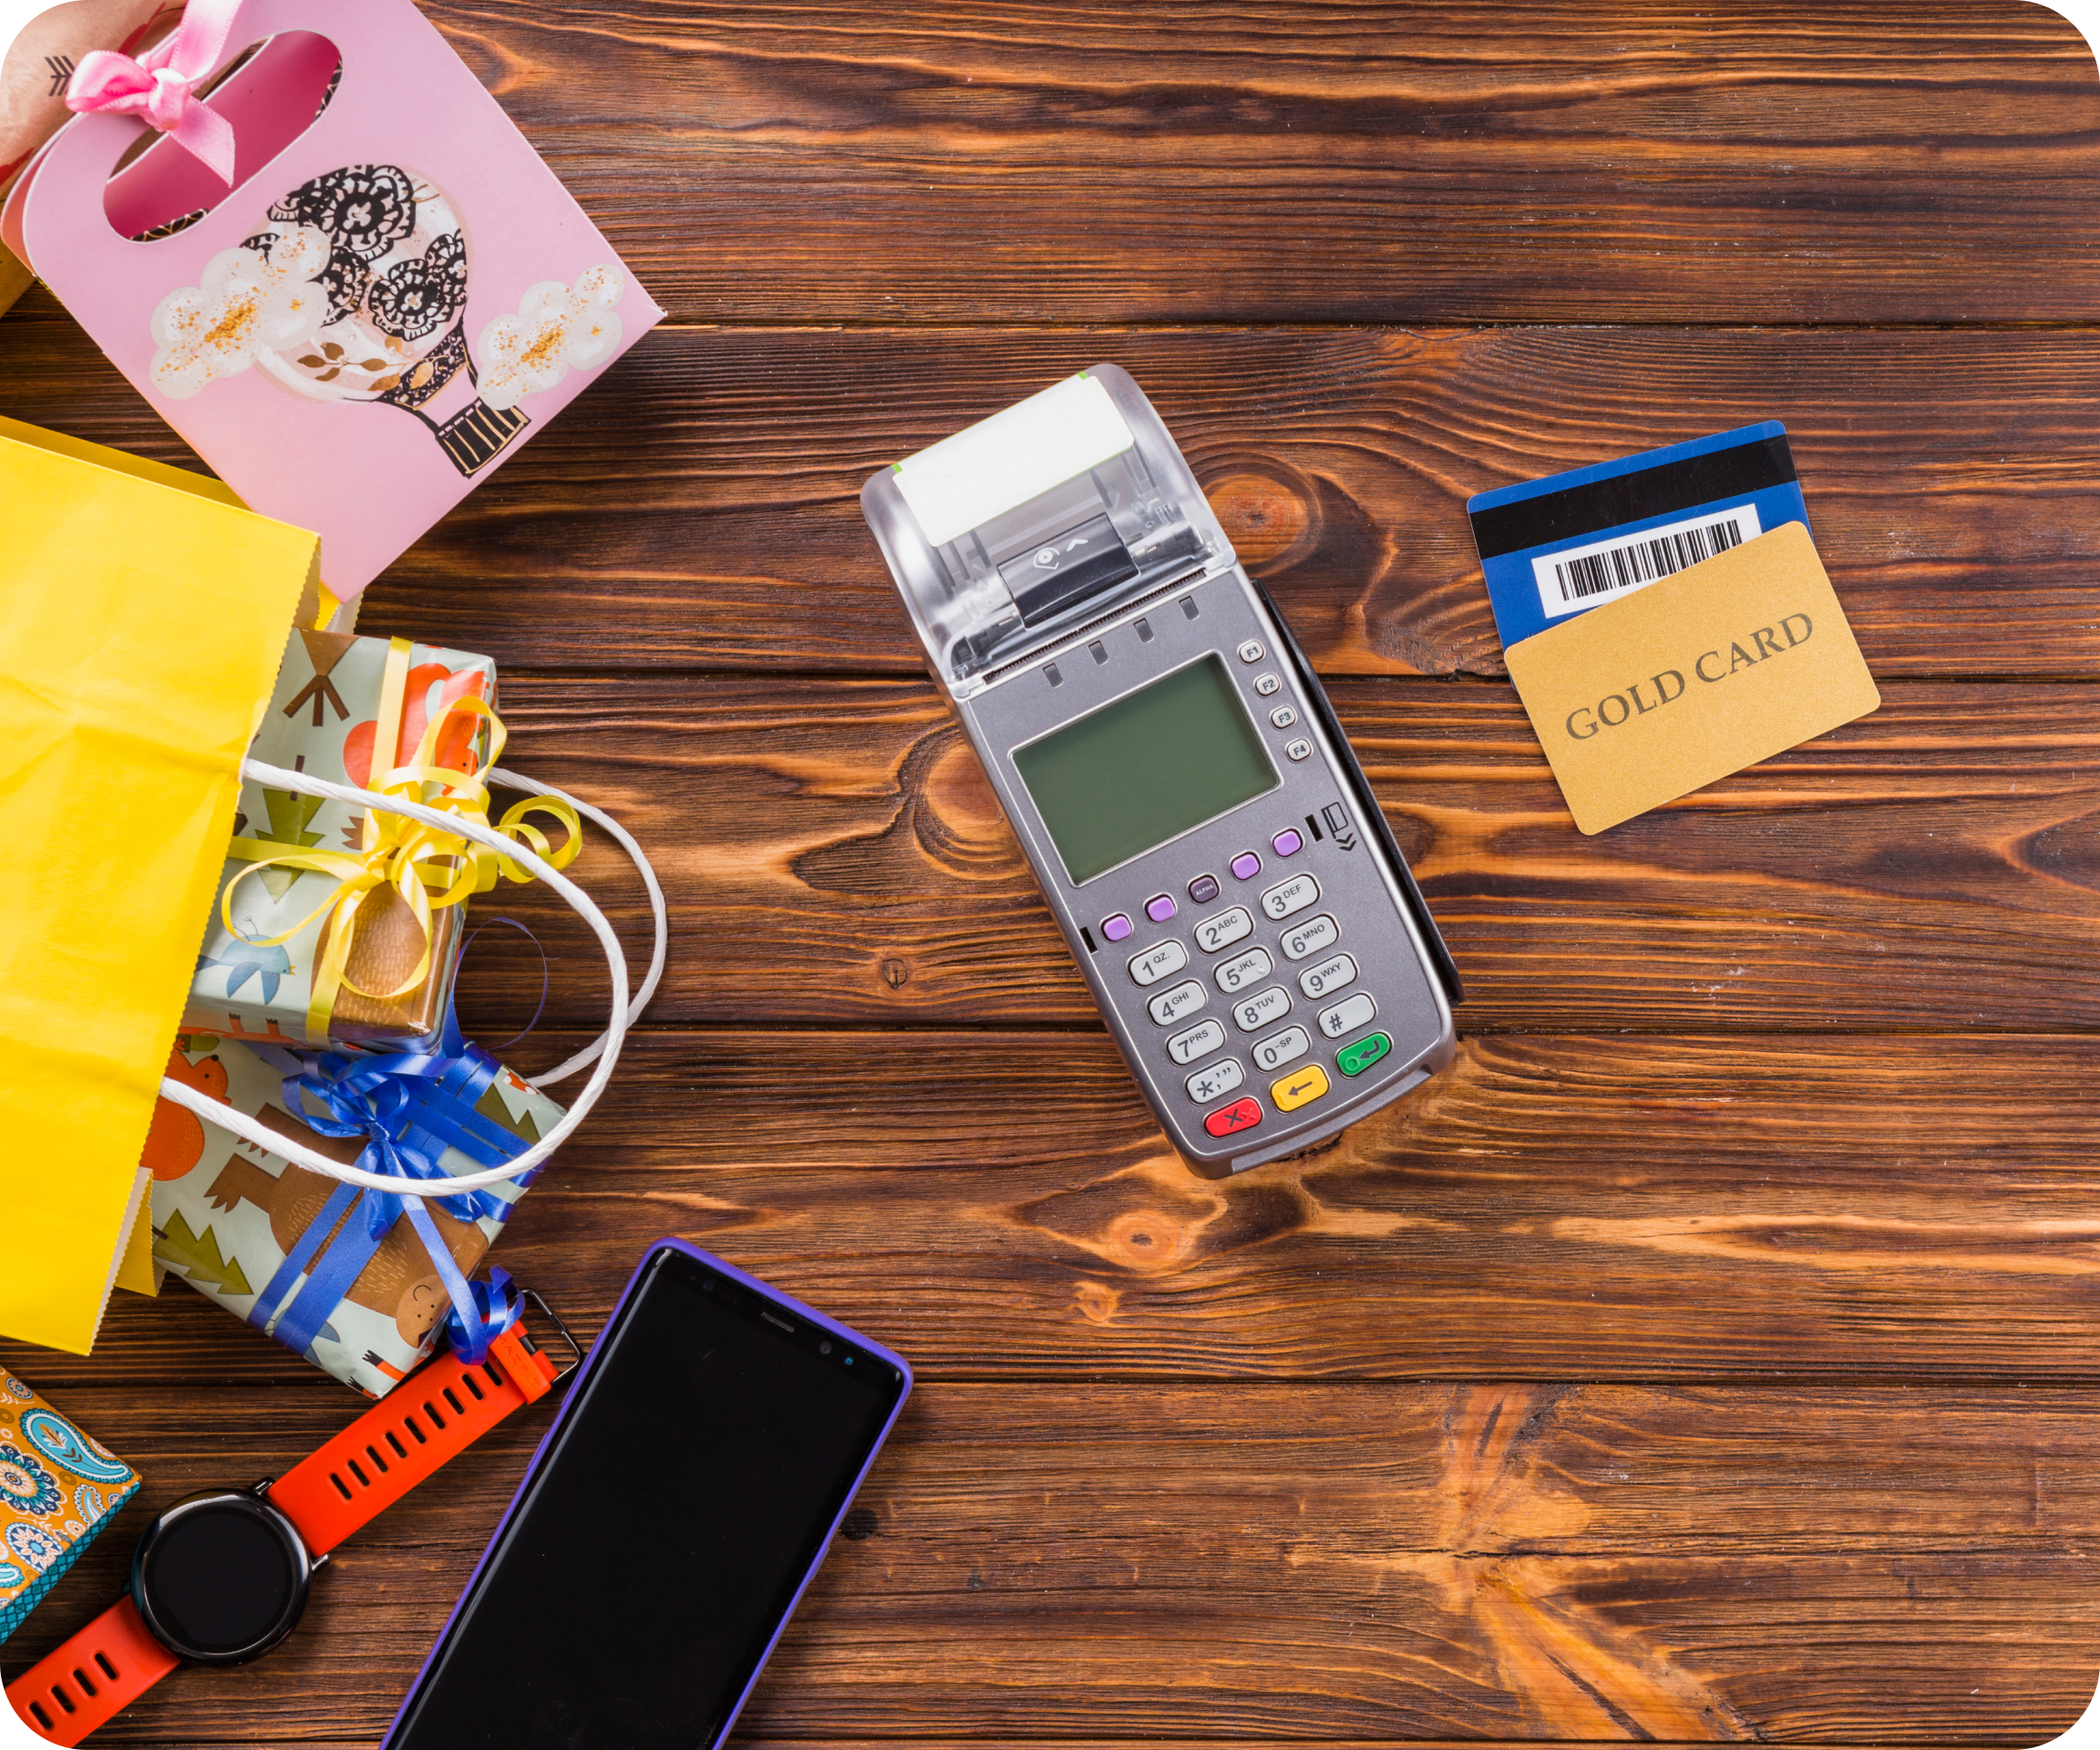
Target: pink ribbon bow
{"x": 158, "y": 84}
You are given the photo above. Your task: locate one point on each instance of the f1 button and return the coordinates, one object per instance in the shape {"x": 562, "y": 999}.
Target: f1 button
{"x": 1242, "y": 1115}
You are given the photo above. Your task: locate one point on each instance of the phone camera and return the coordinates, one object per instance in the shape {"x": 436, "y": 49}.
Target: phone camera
{"x": 823, "y": 1348}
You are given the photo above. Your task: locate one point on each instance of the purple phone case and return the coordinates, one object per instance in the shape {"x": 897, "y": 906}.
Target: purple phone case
{"x": 769, "y": 1293}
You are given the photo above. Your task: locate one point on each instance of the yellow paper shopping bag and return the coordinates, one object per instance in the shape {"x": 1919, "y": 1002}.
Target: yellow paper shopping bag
{"x": 143, "y": 615}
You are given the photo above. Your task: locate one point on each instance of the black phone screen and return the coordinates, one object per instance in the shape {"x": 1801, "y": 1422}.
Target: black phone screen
{"x": 641, "y": 1577}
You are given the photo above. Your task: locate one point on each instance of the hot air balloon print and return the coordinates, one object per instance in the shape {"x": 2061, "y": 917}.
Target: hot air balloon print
{"x": 354, "y": 290}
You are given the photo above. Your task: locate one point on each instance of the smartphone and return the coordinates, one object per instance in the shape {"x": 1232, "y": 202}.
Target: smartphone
{"x": 668, "y": 1525}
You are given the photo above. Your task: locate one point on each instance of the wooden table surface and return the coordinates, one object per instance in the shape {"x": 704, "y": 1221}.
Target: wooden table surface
{"x": 1711, "y": 1352}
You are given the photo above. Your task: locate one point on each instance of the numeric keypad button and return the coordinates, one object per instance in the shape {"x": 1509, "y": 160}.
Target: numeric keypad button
{"x": 1287, "y": 899}
{"x": 1224, "y": 930}
{"x": 1158, "y": 962}
{"x": 1243, "y": 970}
{"x": 1262, "y": 1009}
{"x": 1310, "y": 937}
{"x": 1214, "y": 1080}
{"x": 1199, "y": 1041}
{"x": 1178, "y": 1003}
{"x": 1330, "y": 975}
{"x": 1281, "y": 1048}
{"x": 1348, "y": 1015}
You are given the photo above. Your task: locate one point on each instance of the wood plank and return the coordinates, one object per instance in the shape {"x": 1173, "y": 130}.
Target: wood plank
{"x": 832, "y": 851}
{"x": 1354, "y": 163}
{"x": 1399, "y": 1560}
{"x": 699, "y": 508}
{"x": 999, "y": 1205}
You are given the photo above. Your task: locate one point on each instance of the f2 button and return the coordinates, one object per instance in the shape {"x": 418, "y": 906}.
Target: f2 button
{"x": 1242, "y": 1115}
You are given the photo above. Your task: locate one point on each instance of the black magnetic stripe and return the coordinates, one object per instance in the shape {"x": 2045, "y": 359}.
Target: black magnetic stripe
{"x": 1603, "y": 505}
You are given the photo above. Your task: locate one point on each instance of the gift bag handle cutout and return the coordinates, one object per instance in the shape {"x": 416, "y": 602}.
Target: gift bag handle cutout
{"x": 604, "y": 1051}
{"x": 378, "y": 311}
{"x": 57, "y": 207}
{"x": 269, "y": 94}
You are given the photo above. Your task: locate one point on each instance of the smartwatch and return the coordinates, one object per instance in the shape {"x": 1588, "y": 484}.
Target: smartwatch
{"x": 221, "y": 1576}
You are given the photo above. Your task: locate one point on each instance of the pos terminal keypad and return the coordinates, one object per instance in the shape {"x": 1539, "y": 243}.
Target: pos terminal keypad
{"x": 1259, "y": 965}
{"x": 1173, "y": 772}
{"x": 1250, "y": 967}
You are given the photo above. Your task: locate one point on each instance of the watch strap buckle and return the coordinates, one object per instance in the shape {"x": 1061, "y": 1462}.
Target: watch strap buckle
{"x": 521, "y": 1358}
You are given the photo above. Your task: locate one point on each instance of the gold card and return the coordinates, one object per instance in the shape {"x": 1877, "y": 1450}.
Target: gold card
{"x": 1727, "y": 663}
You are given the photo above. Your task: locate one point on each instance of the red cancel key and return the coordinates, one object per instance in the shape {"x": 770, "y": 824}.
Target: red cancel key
{"x": 1242, "y": 1115}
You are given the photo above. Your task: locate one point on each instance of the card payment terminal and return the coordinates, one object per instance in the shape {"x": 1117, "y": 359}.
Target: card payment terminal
{"x": 1171, "y": 766}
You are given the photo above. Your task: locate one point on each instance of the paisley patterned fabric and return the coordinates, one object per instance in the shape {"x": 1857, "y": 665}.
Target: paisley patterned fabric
{"x": 40, "y": 1549}
{"x": 62, "y": 1443}
{"x": 26, "y": 1486}
{"x": 58, "y": 1487}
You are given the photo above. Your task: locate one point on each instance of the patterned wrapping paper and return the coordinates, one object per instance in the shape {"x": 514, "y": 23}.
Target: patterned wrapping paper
{"x": 323, "y": 718}
{"x": 227, "y": 1214}
{"x": 58, "y": 1488}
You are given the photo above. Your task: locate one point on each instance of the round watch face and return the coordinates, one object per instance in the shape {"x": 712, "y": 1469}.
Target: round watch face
{"x": 221, "y": 1577}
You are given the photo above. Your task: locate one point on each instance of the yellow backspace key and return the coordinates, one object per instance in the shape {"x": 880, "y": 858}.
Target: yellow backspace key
{"x": 1301, "y": 1087}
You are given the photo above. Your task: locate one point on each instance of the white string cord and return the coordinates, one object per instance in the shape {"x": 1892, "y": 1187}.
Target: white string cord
{"x": 606, "y": 1049}
{"x": 655, "y": 976}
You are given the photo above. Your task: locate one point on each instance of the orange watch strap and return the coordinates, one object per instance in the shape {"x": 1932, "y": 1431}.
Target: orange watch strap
{"x": 433, "y": 1416}
{"x": 95, "y": 1677}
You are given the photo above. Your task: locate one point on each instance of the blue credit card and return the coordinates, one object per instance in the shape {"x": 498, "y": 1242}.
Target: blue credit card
{"x": 1555, "y": 547}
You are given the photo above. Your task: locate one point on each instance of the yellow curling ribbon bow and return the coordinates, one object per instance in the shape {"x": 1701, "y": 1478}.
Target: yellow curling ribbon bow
{"x": 430, "y": 868}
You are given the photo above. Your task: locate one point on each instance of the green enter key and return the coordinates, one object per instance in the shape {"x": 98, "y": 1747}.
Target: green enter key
{"x": 1353, "y": 1060}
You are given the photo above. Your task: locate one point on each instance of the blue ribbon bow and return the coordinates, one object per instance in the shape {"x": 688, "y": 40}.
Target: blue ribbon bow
{"x": 410, "y": 1106}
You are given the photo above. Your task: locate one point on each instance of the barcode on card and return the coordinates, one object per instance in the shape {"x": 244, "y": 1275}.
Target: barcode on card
{"x": 1576, "y": 577}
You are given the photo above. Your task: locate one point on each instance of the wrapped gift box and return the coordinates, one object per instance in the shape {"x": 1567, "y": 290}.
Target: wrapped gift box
{"x": 264, "y": 1239}
{"x": 58, "y": 1488}
{"x": 323, "y": 719}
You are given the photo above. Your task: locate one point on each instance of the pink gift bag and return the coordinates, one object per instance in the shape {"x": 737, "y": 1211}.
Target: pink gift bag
{"x": 391, "y": 298}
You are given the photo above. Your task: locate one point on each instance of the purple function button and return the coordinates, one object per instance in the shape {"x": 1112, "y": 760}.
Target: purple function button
{"x": 1287, "y": 842}
{"x": 1203, "y": 888}
{"x": 1246, "y": 866}
{"x": 1115, "y": 928}
{"x": 1159, "y": 907}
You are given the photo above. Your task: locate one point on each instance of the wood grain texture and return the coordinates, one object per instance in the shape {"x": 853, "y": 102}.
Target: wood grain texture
{"x": 698, "y": 508}
{"x": 1000, "y": 1205}
{"x": 833, "y": 852}
{"x": 1396, "y": 1560}
{"x": 1334, "y": 162}
{"x": 1711, "y": 1352}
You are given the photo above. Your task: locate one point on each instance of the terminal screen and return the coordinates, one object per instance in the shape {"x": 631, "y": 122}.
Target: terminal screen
{"x": 1145, "y": 769}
